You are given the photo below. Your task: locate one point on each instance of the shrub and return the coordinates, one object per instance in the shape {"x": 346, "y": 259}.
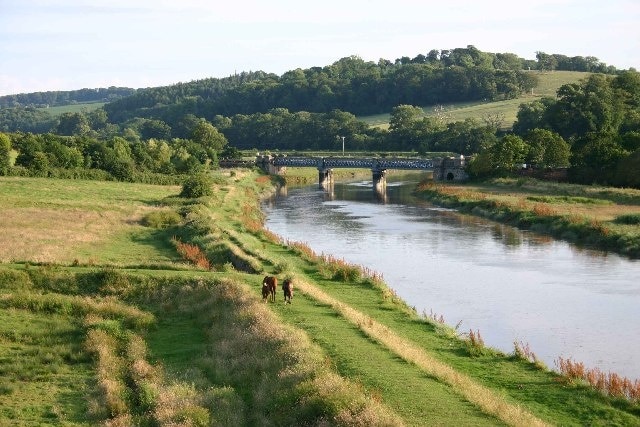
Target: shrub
{"x": 628, "y": 219}
{"x": 161, "y": 219}
{"x": 197, "y": 186}
{"x": 281, "y": 267}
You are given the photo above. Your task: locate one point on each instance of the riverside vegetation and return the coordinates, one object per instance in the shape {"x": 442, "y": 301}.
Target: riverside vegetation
{"x": 104, "y": 322}
{"x": 594, "y": 216}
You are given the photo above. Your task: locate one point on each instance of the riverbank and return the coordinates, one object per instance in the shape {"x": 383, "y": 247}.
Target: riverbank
{"x": 596, "y": 217}
{"x": 164, "y": 342}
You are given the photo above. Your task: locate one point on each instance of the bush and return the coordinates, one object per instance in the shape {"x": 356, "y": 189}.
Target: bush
{"x": 629, "y": 219}
{"x": 197, "y": 186}
{"x": 161, "y": 219}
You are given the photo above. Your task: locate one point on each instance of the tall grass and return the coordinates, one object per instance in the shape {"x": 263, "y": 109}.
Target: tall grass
{"x": 273, "y": 373}
{"x": 111, "y": 401}
{"x": 610, "y": 384}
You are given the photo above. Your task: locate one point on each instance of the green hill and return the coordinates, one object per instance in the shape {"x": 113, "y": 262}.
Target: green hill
{"x": 548, "y": 84}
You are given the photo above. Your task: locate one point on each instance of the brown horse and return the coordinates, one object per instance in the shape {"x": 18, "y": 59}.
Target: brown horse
{"x": 269, "y": 286}
{"x": 287, "y": 288}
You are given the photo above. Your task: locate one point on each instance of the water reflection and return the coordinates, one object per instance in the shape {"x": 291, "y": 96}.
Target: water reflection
{"x": 512, "y": 285}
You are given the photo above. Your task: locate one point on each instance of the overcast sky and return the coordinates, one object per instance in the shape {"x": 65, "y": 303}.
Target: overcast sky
{"x": 73, "y": 44}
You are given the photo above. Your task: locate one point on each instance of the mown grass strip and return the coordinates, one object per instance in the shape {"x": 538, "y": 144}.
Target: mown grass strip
{"x": 417, "y": 397}
{"x": 486, "y": 399}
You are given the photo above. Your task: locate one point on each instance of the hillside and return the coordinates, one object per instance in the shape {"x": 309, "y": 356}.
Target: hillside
{"x": 115, "y": 328}
{"x": 547, "y": 86}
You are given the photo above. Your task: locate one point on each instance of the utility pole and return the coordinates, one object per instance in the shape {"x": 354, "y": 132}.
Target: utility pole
{"x": 342, "y": 145}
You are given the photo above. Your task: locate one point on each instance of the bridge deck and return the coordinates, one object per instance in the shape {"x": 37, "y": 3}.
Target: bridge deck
{"x": 323, "y": 163}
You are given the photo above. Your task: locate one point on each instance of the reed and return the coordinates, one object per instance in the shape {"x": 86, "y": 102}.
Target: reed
{"x": 610, "y": 383}
{"x": 544, "y": 210}
{"x": 192, "y": 253}
{"x": 302, "y": 249}
{"x": 434, "y": 317}
{"x": 523, "y": 351}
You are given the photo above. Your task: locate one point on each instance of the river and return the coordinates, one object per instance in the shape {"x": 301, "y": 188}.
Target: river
{"x": 561, "y": 300}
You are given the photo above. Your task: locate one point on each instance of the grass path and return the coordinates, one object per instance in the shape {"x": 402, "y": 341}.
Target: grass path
{"x": 485, "y": 399}
{"x": 415, "y": 395}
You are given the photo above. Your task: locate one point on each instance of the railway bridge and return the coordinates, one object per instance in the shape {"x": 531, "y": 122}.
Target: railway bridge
{"x": 444, "y": 169}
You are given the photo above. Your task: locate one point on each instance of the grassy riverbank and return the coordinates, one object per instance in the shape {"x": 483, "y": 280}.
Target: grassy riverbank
{"x": 92, "y": 336}
{"x": 591, "y": 216}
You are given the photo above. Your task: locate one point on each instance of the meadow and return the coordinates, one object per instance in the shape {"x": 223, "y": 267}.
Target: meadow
{"x": 549, "y": 83}
{"x": 73, "y": 108}
{"x": 124, "y": 331}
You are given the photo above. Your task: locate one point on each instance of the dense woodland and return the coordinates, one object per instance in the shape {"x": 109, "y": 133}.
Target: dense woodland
{"x": 54, "y": 98}
{"x": 592, "y": 127}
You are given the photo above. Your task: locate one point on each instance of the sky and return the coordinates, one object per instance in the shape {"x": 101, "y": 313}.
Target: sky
{"x": 74, "y": 44}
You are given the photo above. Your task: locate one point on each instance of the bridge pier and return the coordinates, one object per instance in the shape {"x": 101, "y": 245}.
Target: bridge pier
{"x": 325, "y": 177}
{"x": 379, "y": 179}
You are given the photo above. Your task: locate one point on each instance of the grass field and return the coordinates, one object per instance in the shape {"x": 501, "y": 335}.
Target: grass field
{"x": 47, "y": 220}
{"x": 152, "y": 341}
{"x": 73, "y": 108}
{"x": 548, "y": 85}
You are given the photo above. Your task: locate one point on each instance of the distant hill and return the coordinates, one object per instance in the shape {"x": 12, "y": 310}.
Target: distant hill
{"x": 459, "y": 83}
{"x": 69, "y": 97}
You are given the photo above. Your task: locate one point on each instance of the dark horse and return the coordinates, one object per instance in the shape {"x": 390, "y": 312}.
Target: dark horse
{"x": 269, "y": 286}
{"x": 287, "y": 288}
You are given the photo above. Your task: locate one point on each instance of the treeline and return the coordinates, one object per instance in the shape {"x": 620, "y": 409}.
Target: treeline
{"x": 115, "y": 158}
{"x": 26, "y": 119}
{"x": 354, "y": 85}
{"x": 592, "y": 127}
{"x": 350, "y": 84}
{"x": 55, "y": 98}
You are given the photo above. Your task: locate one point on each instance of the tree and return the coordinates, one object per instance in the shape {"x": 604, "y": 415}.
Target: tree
{"x": 546, "y": 62}
{"x": 72, "y": 124}
{"x": 39, "y": 165}
{"x": 208, "y": 136}
{"x": 628, "y": 171}
{"x": 597, "y": 158}
{"x": 547, "y": 149}
{"x": 404, "y": 126}
{"x": 590, "y": 106}
{"x": 5, "y": 154}
{"x": 508, "y": 152}
{"x": 532, "y": 115}
{"x": 154, "y": 129}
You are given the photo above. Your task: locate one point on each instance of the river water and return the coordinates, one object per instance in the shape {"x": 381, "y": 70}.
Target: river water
{"x": 561, "y": 300}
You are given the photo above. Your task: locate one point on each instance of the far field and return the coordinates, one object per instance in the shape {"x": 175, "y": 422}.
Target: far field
{"x": 547, "y": 87}
{"x": 73, "y": 108}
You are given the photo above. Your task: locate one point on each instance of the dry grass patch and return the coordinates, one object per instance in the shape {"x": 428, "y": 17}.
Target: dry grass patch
{"x": 59, "y": 220}
{"x": 47, "y": 235}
